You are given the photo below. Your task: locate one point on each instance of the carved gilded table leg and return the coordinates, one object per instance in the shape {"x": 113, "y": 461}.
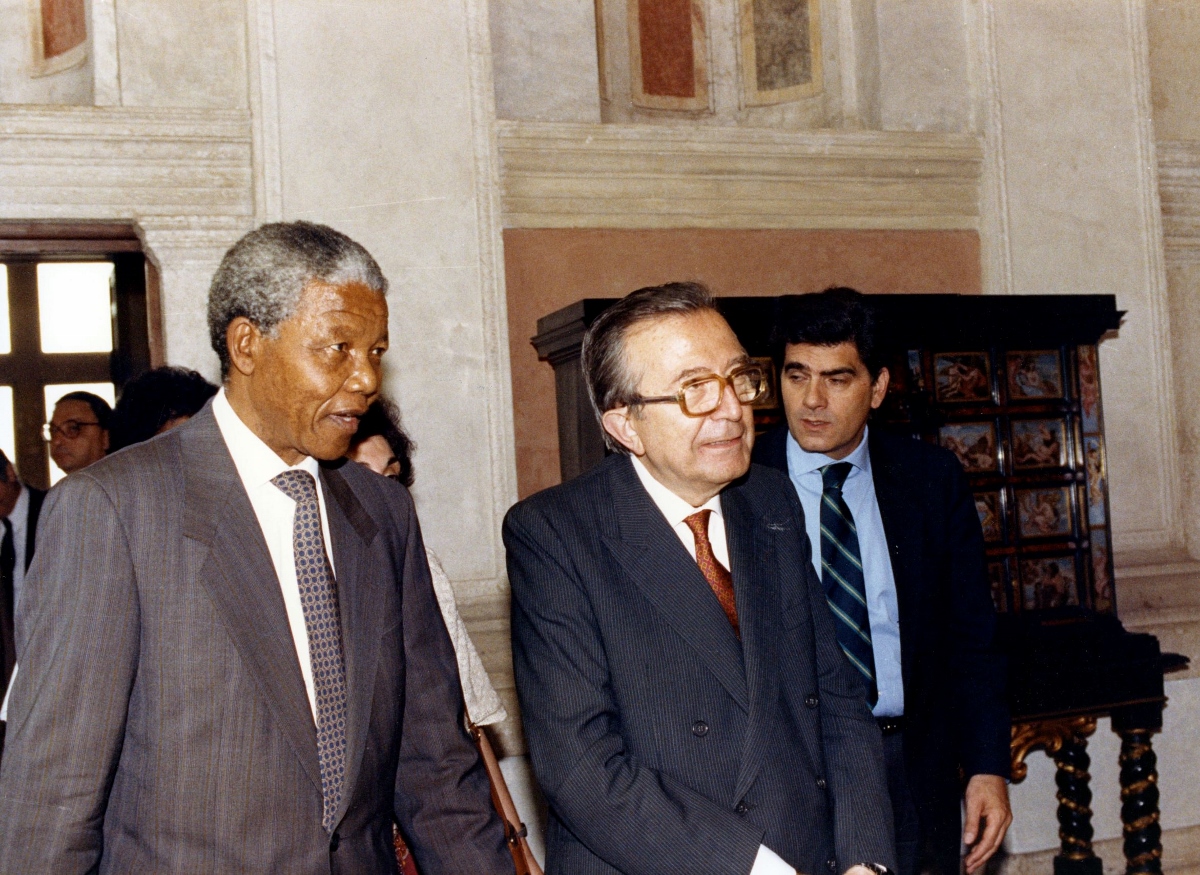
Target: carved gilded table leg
{"x": 1066, "y": 741}
{"x": 1139, "y": 804}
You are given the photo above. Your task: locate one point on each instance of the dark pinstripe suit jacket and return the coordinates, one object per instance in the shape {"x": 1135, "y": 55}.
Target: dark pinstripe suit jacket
{"x": 159, "y": 722}
{"x": 661, "y": 743}
{"x": 954, "y": 672}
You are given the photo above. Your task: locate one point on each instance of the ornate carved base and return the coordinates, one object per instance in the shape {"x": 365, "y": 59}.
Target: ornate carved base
{"x": 1066, "y": 741}
{"x": 1139, "y": 804}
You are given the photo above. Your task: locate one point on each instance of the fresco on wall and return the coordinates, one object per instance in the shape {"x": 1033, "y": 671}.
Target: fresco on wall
{"x": 783, "y": 55}
{"x": 668, "y": 54}
{"x": 59, "y": 35}
{"x": 781, "y": 50}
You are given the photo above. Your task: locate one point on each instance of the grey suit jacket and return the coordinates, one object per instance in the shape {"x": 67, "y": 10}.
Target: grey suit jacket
{"x": 159, "y": 722}
{"x": 662, "y": 743}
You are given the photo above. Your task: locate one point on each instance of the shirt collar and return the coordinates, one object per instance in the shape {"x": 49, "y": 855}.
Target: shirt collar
{"x": 801, "y": 462}
{"x": 256, "y": 463}
{"x": 674, "y": 508}
{"x": 17, "y": 514}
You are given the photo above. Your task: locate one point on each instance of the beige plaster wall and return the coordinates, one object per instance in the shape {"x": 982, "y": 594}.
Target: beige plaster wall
{"x": 378, "y": 136}
{"x": 1071, "y": 206}
{"x": 544, "y": 60}
{"x": 182, "y": 53}
{"x": 924, "y": 66}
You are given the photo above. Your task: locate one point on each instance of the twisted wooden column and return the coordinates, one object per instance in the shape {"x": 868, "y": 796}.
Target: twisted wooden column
{"x": 1066, "y": 741}
{"x": 1139, "y": 804}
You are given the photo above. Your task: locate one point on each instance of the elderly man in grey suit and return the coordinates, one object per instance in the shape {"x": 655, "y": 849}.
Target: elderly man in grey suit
{"x": 685, "y": 700}
{"x": 231, "y": 656}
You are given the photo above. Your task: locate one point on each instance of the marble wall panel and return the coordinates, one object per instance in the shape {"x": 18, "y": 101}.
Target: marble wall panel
{"x": 1073, "y": 206}
{"x": 924, "y": 65}
{"x": 386, "y": 138}
{"x": 182, "y": 53}
{"x": 544, "y": 60}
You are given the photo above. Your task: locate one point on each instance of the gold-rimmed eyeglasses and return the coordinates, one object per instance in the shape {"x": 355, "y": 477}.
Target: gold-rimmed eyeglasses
{"x": 69, "y": 429}
{"x": 700, "y": 396}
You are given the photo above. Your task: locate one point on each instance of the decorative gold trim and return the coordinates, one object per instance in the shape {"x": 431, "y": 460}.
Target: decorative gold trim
{"x": 749, "y": 58}
{"x": 699, "y": 103}
{"x": 1048, "y": 734}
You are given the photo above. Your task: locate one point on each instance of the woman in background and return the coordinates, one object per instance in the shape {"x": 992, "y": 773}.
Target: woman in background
{"x": 381, "y": 444}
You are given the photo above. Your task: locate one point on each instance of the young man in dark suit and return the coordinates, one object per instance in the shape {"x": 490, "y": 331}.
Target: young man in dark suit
{"x": 685, "y": 701}
{"x": 895, "y": 534}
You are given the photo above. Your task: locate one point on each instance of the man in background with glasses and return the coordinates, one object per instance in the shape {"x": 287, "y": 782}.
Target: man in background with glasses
{"x": 684, "y": 698}
{"x": 78, "y": 431}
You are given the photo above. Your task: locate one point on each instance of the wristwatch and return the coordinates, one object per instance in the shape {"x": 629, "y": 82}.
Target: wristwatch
{"x": 877, "y": 868}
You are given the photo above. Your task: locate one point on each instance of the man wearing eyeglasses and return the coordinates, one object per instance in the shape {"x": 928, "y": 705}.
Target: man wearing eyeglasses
{"x": 78, "y": 431}
{"x": 684, "y": 698}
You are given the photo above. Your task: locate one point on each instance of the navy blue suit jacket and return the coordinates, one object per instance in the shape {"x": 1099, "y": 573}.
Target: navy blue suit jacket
{"x": 661, "y": 741}
{"x": 954, "y": 675}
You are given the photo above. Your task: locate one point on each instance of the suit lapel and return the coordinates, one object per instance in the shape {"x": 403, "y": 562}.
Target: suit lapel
{"x": 240, "y": 578}
{"x": 351, "y": 530}
{"x": 902, "y": 526}
{"x": 749, "y": 554}
{"x": 656, "y": 560}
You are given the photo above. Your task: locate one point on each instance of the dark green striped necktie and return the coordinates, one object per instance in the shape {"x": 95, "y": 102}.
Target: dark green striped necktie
{"x": 842, "y": 576}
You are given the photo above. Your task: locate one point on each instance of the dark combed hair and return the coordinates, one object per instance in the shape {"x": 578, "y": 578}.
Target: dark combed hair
{"x": 262, "y": 275}
{"x": 150, "y": 401}
{"x": 610, "y": 385}
{"x": 828, "y": 318}
{"x": 383, "y": 418}
{"x": 100, "y": 408}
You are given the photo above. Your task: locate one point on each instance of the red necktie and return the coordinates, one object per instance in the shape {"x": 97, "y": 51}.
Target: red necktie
{"x": 717, "y": 575}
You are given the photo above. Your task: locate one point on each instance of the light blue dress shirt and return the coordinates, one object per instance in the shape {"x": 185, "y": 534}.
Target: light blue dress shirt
{"x": 804, "y": 469}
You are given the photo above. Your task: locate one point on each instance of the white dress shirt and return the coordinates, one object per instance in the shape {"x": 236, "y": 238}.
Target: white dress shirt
{"x": 804, "y": 469}
{"x": 19, "y": 518}
{"x": 675, "y": 509}
{"x": 257, "y": 464}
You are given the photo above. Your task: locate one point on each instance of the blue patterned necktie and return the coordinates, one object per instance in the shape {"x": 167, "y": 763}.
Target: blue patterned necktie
{"x": 318, "y": 596}
{"x": 842, "y": 576}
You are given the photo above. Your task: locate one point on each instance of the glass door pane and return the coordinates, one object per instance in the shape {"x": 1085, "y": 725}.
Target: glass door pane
{"x": 5, "y": 330}
{"x": 75, "y": 306}
{"x": 8, "y": 436}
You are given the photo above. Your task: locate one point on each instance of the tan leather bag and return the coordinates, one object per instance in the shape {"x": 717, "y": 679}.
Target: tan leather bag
{"x": 514, "y": 830}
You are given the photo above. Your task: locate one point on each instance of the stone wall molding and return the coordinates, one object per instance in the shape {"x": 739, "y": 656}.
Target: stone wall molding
{"x": 1179, "y": 192}
{"x": 182, "y": 177}
{"x": 651, "y": 176}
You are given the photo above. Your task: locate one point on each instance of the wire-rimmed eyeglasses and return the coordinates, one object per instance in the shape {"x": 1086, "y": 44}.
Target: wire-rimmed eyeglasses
{"x": 702, "y": 395}
{"x": 70, "y": 429}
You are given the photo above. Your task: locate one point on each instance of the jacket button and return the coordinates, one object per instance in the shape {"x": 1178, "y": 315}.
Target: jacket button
{"x": 812, "y": 701}
{"x": 334, "y": 841}
{"x": 699, "y": 729}
{"x": 831, "y": 864}
{"x": 741, "y": 808}
{"x": 821, "y": 784}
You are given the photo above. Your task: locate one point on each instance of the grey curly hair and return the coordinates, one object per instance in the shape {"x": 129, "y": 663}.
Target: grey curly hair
{"x": 262, "y": 275}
